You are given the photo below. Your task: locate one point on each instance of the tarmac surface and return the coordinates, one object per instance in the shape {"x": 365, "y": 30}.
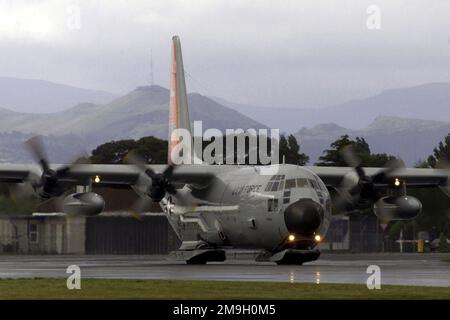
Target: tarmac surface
{"x": 397, "y": 269}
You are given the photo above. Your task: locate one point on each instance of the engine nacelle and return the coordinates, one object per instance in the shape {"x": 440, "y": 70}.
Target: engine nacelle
{"x": 83, "y": 204}
{"x": 397, "y": 208}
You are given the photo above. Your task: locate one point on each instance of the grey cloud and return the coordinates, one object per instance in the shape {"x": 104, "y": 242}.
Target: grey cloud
{"x": 289, "y": 53}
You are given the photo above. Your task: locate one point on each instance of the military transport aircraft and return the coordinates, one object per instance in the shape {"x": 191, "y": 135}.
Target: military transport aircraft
{"x": 285, "y": 214}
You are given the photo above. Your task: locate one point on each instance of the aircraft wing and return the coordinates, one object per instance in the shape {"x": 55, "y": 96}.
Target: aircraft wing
{"x": 17, "y": 173}
{"x": 413, "y": 177}
{"x": 106, "y": 174}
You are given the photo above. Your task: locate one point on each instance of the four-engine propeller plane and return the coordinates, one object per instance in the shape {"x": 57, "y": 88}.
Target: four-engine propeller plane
{"x": 285, "y": 214}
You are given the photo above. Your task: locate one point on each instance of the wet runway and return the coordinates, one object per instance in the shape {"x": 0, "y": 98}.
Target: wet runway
{"x": 406, "y": 269}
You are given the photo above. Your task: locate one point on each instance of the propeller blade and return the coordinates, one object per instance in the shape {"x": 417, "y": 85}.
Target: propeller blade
{"x": 171, "y": 189}
{"x": 160, "y": 182}
{"x": 342, "y": 200}
{"x": 47, "y": 185}
{"x": 135, "y": 159}
{"x": 390, "y": 167}
{"x": 21, "y": 192}
{"x": 168, "y": 171}
{"x": 143, "y": 204}
{"x": 37, "y": 150}
{"x": 352, "y": 160}
{"x": 348, "y": 155}
{"x": 62, "y": 171}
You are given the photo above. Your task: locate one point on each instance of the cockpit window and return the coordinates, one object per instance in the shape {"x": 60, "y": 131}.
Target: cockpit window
{"x": 290, "y": 183}
{"x": 276, "y": 183}
{"x": 321, "y": 185}
{"x": 314, "y": 184}
{"x": 277, "y": 177}
{"x": 302, "y": 183}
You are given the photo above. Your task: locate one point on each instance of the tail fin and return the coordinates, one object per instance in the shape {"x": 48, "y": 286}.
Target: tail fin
{"x": 178, "y": 108}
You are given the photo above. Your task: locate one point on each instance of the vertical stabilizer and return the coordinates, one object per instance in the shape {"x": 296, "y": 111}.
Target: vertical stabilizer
{"x": 178, "y": 107}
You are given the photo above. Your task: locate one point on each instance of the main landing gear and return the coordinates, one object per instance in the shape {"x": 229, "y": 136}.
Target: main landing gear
{"x": 199, "y": 256}
{"x": 197, "y": 252}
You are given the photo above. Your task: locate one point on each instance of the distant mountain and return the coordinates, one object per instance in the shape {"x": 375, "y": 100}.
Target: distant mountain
{"x": 285, "y": 119}
{"x": 60, "y": 149}
{"x": 429, "y": 102}
{"x": 391, "y": 122}
{"x": 142, "y": 112}
{"x": 410, "y": 139}
{"x": 39, "y": 96}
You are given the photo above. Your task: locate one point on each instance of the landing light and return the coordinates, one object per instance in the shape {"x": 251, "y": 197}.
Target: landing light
{"x": 291, "y": 237}
{"x": 97, "y": 179}
{"x": 317, "y": 238}
{"x": 397, "y": 182}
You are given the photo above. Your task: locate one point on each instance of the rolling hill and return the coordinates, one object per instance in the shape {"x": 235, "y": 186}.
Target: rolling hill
{"x": 39, "y": 96}
{"x": 428, "y": 101}
{"x": 142, "y": 112}
{"x": 410, "y": 139}
{"x": 391, "y": 122}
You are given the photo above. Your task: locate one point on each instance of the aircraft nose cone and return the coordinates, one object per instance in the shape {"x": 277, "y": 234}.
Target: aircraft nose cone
{"x": 303, "y": 217}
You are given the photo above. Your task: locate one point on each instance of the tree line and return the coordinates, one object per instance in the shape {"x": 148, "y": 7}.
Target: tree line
{"x": 154, "y": 151}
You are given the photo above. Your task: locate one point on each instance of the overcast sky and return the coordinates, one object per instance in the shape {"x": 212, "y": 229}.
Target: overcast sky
{"x": 272, "y": 53}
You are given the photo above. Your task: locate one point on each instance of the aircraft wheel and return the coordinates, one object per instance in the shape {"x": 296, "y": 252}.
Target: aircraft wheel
{"x": 288, "y": 263}
{"x": 196, "y": 261}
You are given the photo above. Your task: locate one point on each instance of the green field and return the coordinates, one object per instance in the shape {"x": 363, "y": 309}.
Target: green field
{"x": 167, "y": 289}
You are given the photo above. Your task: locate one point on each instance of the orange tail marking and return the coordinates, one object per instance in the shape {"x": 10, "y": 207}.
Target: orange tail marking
{"x": 173, "y": 107}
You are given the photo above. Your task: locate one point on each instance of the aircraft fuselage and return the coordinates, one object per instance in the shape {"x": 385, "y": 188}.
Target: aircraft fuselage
{"x": 286, "y": 209}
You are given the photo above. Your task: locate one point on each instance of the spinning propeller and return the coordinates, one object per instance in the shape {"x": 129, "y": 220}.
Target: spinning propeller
{"x": 48, "y": 182}
{"x": 364, "y": 192}
{"x": 47, "y": 185}
{"x": 157, "y": 184}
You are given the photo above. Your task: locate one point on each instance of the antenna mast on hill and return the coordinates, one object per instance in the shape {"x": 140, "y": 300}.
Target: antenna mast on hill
{"x": 151, "y": 68}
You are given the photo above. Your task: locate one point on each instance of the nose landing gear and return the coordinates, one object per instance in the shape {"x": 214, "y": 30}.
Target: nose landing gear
{"x": 289, "y": 256}
{"x": 295, "y": 256}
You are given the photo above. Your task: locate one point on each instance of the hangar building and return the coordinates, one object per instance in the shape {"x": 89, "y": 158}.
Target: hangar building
{"x": 109, "y": 233}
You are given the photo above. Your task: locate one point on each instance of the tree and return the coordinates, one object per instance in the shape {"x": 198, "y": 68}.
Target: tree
{"x": 332, "y": 157}
{"x": 443, "y": 245}
{"x": 152, "y": 149}
{"x": 290, "y": 150}
{"x": 441, "y": 154}
{"x": 423, "y": 164}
